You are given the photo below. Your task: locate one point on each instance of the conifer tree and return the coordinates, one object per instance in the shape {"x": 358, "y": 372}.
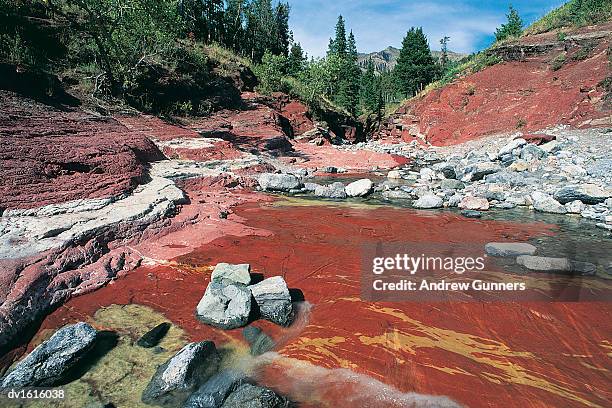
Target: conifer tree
{"x": 337, "y": 45}
{"x": 353, "y": 75}
{"x": 296, "y": 62}
{"x": 282, "y": 29}
{"x": 415, "y": 66}
{"x": 512, "y": 28}
{"x": 367, "y": 94}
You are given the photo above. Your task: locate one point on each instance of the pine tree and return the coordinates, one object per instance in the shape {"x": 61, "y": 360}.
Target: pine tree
{"x": 261, "y": 28}
{"x": 296, "y": 61}
{"x": 415, "y": 66}
{"x": 234, "y": 21}
{"x": 338, "y": 44}
{"x": 353, "y": 75}
{"x": 513, "y": 27}
{"x": 444, "y": 57}
{"x": 282, "y": 29}
{"x": 367, "y": 93}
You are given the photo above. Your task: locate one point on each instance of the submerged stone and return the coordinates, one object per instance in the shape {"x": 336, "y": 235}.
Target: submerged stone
{"x": 504, "y": 249}
{"x": 48, "y": 364}
{"x": 252, "y": 396}
{"x": 154, "y": 336}
{"x": 181, "y": 374}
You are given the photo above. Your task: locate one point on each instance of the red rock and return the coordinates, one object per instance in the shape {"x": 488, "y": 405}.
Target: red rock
{"x": 50, "y": 155}
{"x": 538, "y": 139}
{"x": 524, "y": 94}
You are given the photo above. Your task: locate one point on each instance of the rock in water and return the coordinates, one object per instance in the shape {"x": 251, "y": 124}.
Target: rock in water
{"x": 474, "y": 203}
{"x": 225, "y": 306}
{"x": 48, "y": 363}
{"x": 587, "y": 193}
{"x": 274, "y": 301}
{"x": 214, "y": 391}
{"x": 334, "y": 190}
{"x": 251, "y": 396}
{"x": 428, "y": 201}
{"x": 259, "y": 341}
{"x": 544, "y": 203}
{"x": 471, "y": 213}
{"x": 154, "y": 336}
{"x": 279, "y": 182}
{"x": 359, "y": 188}
{"x": 180, "y": 375}
{"x": 546, "y": 264}
{"x": 228, "y": 273}
{"x": 509, "y": 249}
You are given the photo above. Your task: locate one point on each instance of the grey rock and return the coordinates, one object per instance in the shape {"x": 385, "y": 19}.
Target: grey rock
{"x": 225, "y": 306}
{"x": 428, "y": 201}
{"x": 474, "y": 203}
{"x": 451, "y": 184}
{"x": 359, "y": 188}
{"x": 471, "y": 214}
{"x": 274, "y": 300}
{"x": 532, "y": 152}
{"x": 251, "y": 396}
{"x": 213, "y": 392}
{"x": 397, "y": 195}
{"x": 544, "y": 264}
{"x": 552, "y": 147}
{"x": 477, "y": 171}
{"x": 154, "y": 336}
{"x": 505, "y": 206}
{"x": 230, "y": 273}
{"x": 505, "y": 249}
{"x": 335, "y": 190}
{"x": 259, "y": 341}
{"x": 447, "y": 169}
{"x": 454, "y": 200}
{"x": 512, "y": 178}
{"x": 330, "y": 169}
{"x": 509, "y": 148}
{"x": 600, "y": 168}
{"x": 279, "y": 182}
{"x": 545, "y": 203}
{"x": 587, "y": 193}
{"x": 548, "y": 264}
{"x": 48, "y": 363}
{"x": 394, "y": 174}
{"x": 311, "y": 187}
{"x": 575, "y": 207}
{"x": 178, "y": 377}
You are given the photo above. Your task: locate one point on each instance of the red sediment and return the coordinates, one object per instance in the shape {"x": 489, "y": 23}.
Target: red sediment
{"x": 525, "y": 94}
{"x": 501, "y": 354}
{"x": 49, "y": 156}
{"x": 353, "y": 160}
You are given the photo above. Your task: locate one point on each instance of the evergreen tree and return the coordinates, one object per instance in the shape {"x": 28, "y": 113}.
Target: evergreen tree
{"x": 415, "y": 66}
{"x": 444, "y": 57}
{"x": 282, "y": 29}
{"x": 261, "y": 29}
{"x": 367, "y": 93}
{"x": 296, "y": 62}
{"x": 234, "y": 21}
{"x": 352, "y": 75}
{"x": 512, "y": 28}
{"x": 338, "y": 44}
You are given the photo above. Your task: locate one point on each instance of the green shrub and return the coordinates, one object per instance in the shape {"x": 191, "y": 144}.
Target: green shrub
{"x": 270, "y": 73}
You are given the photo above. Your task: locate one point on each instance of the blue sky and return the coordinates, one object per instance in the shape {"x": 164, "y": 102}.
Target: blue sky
{"x": 379, "y": 23}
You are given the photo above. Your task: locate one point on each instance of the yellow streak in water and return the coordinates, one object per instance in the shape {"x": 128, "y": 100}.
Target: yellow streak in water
{"x": 484, "y": 351}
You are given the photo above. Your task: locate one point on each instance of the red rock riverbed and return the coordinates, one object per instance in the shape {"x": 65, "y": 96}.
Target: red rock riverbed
{"x": 480, "y": 355}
